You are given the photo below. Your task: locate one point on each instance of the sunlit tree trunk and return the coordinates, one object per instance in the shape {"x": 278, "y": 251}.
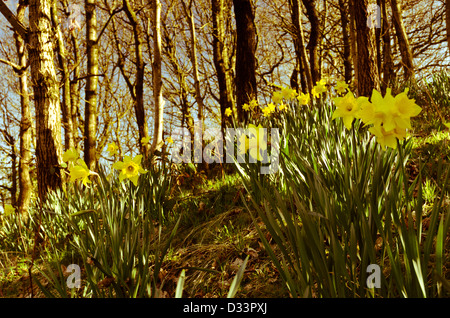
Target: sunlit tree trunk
{"x": 66, "y": 105}
{"x": 403, "y": 43}
{"x": 221, "y": 58}
{"x": 25, "y": 185}
{"x": 46, "y": 97}
{"x": 90, "y": 110}
{"x": 157, "y": 78}
{"x": 299, "y": 44}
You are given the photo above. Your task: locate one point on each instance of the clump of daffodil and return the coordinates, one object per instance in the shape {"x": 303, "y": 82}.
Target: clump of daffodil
{"x": 80, "y": 171}
{"x": 389, "y": 116}
{"x": 130, "y": 168}
{"x": 348, "y": 108}
{"x": 255, "y": 145}
{"x": 319, "y": 88}
{"x": 112, "y": 149}
{"x": 288, "y": 93}
{"x": 341, "y": 87}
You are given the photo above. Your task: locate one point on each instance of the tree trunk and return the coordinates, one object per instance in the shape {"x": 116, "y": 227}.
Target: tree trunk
{"x": 388, "y": 64}
{"x": 46, "y": 98}
{"x": 343, "y": 7}
{"x": 90, "y": 118}
{"x": 193, "y": 54}
{"x": 139, "y": 84}
{"x": 313, "y": 44}
{"x": 368, "y": 78}
{"x": 403, "y": 43}
{"x": 25, "y": 185}
{"x": 63, "y": 65}
{"x": 246, "y": 43}
{"x": 299, "y": 44}
{"x": 220, "y": 57}
{"x": 447, "y": 21}
{"x": 157, "y": 78}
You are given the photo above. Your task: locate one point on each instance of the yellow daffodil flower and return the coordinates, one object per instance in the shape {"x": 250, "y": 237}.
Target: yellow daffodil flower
{"x": 169, "y": 140}
{"x": 246, "y": 107}
{"x": 112, "y": 149}
{"x": 304, "y": 99}
{"x": 80, "y": 171}
{"x": 253, "y": 103}
{"x": 348, "y": 107}
{"x": 282, "y": 106}
{"x": 277, "y": 97}
{"x": 145, "y": 140}
{"x": 228, "y": 112}
{"x": 130, "y": 168}
{"x": 319, "y": 88}
{"x": 70, "y": 155}
{"x": 341, "y": 87}
{"x": 266, "y": 111}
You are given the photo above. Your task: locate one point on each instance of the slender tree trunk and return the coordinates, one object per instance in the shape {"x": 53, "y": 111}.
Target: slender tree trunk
{"x": 246, "y": 43}
{"x": 193, "y": 54}
{"x": 368, "y": 78}
{"x": 90, "y": 118}
{"x": 313, "y": 44}
{"x": 388, "y": 64}
{"x": 447, "y": 21}
{"x": 75, "y": 92}
{"x": 343, "y": 7}
{"x": 66, "y": 105}
{"x": 220, "y": 57}
{"x": 157, "y": 78}
{"x": 353, "y": 43}
{"x": 25, "y": 185}
{"x": 139, "y": 84}
{"x": 405, "y": 49}
{"x": 299, "y": 43}
{"x": 46, "y": 98}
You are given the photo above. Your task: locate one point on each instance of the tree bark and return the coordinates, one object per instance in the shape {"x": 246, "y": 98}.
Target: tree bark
{"x": 246, "y": 43}
{"x": 139, "y": 84}
{"x": 46, "y": 98}
{"x": 157, "y": 78}
{"x": 405, "y": 49}
{"x": 90, "y": 114}
{"x": 388, "y": 64}
{"x": 343, "y": 7}
{"x": 221, "y": 58}
{"x": 25, "y": 185}
{"x": 314, "y": 36}
{"x": 194, "y": 61}
{"x": 66, "y": 105}
{"x": 299, "y": 44}
{"x": 368, "y": 78}
{"x": 447, "y": 21}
